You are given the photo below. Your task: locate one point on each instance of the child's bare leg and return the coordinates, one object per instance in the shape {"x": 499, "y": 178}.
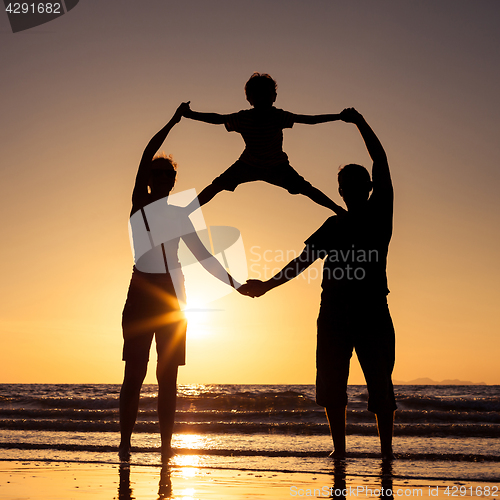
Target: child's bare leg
{"x": 204, "y": 197}
{"x": 321, "y": 199}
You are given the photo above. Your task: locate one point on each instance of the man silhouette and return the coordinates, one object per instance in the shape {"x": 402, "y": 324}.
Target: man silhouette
{"x": 354, "y": 312}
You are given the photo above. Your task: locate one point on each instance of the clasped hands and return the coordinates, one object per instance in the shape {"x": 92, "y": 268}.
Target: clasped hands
{"x": 183, "y": 110}
{"x": 254, "y": 288}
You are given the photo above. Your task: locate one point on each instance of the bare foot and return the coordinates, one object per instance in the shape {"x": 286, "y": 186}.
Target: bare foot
{"x": 388, "y": 455}
{"x": 337, "y": 455}
{"x": 124, "y": 453}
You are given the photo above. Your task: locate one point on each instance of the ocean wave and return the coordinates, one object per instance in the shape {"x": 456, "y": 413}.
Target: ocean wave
{"x": 242, "y": 398}
{"x": 286, "y": 401}
{"x": 488, "y": 404}
{"x": 269, "y": 401}
{"x": 430, "y": 430}
{"x": 269, "y": 416}
{"x": 457, "y": 457}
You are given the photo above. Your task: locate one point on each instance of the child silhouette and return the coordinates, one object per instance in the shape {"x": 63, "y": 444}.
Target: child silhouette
{"x": 263, "y": 158}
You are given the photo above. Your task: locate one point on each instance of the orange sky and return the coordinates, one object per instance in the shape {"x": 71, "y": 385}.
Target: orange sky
{"x": 82, "y": 95}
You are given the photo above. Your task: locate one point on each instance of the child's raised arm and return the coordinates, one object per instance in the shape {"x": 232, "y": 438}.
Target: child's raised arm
{"x": 214, "y": 118}
{"x": 315, "y": 119}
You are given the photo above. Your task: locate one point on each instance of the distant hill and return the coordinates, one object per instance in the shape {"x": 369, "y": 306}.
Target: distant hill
{"x": 429, "y": 381}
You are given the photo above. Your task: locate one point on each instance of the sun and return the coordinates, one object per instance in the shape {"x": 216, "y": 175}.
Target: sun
{"x": 199, "y": 319}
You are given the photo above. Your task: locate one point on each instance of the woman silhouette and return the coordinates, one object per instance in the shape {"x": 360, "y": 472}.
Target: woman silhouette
{"x": 156, "y": 291}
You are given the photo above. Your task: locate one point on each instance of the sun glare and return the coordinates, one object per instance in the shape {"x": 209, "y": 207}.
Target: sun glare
{"x": 198, "y": 319}
{"x": 189, "y": 464}
{"x": 189, "y": 441}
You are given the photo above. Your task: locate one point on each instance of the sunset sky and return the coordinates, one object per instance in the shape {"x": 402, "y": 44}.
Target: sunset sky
{"x": 82, "y": 95}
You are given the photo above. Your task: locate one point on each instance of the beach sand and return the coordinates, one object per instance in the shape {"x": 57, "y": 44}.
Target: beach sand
{"x": 20, "y": 480}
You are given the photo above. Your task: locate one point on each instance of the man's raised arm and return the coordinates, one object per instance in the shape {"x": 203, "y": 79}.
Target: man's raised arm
{"x": 381, "y": 175}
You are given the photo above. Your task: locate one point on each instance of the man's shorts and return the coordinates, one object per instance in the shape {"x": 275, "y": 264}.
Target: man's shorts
{"x": 282, "y": 175}
{"x": 152, "y": 309}
{"x": 367, "y": 328}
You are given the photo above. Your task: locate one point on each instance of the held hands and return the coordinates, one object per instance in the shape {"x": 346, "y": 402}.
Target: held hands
{"x": 186, "y": 109}
{"x": 254, "y": 288}
{"x": 350, "y": 115}
{"x": 181, "y": 111}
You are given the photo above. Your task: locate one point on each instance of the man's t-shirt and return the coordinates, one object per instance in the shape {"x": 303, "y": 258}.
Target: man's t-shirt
{"x": 355, "y": 250}
{"x": 262, "y": 131}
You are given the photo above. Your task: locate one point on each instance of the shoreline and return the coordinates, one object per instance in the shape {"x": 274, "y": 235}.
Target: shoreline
{"x": 319, "y": 472}
{"x": 66, "y": 480}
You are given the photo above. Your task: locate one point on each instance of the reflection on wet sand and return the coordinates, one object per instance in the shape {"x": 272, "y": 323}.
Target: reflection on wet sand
{"x": 339, "y": 490}
{"x": 125, "y": 490}
{"x": 187, "y": 467}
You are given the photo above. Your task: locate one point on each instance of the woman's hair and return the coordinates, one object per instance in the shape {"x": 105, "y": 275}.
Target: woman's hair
{"x": 162, "y": 160}
{"x": 162, "y": 164}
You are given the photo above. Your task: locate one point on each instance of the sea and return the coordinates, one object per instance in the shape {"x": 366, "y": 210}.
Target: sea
{"x": 440, "y": 432}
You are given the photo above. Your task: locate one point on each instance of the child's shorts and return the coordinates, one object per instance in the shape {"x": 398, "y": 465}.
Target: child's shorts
{"x": 282, "y": 175}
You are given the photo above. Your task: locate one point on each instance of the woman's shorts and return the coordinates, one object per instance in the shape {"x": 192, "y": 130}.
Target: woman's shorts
{"x": 152, "y": 309}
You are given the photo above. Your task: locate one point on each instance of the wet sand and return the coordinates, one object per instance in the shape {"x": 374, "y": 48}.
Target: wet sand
{"x": 21, "y": 480}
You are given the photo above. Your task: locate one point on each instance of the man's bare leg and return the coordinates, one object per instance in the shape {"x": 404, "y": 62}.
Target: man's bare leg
{"x": 129, "y": 404}
{"x": 167, "y": 395}
{"x": 385, "y": 426}
{"x": 336, "y": 419}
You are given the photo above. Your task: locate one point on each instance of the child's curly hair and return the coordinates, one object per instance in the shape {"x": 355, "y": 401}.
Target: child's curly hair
{"x": 260, "y": 85}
